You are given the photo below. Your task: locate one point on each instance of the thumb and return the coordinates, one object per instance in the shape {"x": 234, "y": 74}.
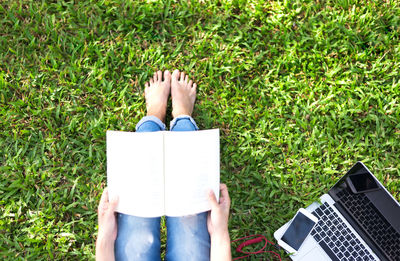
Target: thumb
{"x": 113, "y": 204}
{"x": 212, "y": 199}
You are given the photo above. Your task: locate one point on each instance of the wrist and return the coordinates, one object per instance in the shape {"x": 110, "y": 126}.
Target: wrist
{"x": 220, "y": 246}
{"x": 104, "y": 249}
{"x": 221, "y": 237}
{"x": 103, "y": 242}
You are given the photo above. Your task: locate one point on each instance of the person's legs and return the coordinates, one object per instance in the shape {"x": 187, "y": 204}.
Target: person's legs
{"x": 187, "y": 236}
{"x": 138, "y": 238}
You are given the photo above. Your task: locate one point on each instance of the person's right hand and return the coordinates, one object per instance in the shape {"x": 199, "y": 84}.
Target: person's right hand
{"x": 217, "y": 222}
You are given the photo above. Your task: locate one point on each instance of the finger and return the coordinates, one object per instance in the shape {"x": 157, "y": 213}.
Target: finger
{"x": 186, "y": 78}
{"x": 146, "y": 85}
{"x": 190, "y": 83}
{"x": 182, "y": 76}
{"x": 155, "y": 77}
{"x": 104, "y": 196}
{"x": 103, "y": 200}
{"x": 212, "y": 199}
{"x": 113, "y": 204}
{"x": 194, "y": 86}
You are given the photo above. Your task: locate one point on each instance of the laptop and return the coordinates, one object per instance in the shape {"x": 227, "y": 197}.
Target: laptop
{"x": 357, "y": 220}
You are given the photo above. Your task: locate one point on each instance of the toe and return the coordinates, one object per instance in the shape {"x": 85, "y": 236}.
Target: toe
{"x": 146, "y": 85}
{"x": 182, "y": 76}
{"x": 190, "y": 84}
{"x": 175, "y": 75}
{"x": 194, "y": 86}
{"x": 167, "y": 76}
{"x": 151, "y": 81}
{"x": 155, "y": 77}
{"x": 159, "y": 76}
{"x": 187, "y": 79}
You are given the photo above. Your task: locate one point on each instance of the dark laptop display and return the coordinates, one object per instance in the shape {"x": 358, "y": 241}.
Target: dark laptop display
{"x": 370, "y": 209}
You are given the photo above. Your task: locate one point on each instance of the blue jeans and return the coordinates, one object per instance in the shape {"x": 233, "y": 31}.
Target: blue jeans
{"x": 138, "y": 238}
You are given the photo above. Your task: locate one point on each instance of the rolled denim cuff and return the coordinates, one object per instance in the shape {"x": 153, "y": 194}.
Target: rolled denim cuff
{"x": 153, "y": 119}
{"x": 181, "y": 117}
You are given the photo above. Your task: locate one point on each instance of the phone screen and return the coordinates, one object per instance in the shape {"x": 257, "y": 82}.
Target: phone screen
{"x": 363, "y": 182}
{"x": 298, "y": 230}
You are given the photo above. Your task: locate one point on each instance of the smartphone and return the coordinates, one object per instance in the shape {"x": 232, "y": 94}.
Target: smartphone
{"x": 297, "y": 231}
{"x": 362, "y": 182}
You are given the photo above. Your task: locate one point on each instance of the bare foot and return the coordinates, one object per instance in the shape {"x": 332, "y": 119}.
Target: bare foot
{"x": 183, "y": 93}
{"x": 156, "y": 92}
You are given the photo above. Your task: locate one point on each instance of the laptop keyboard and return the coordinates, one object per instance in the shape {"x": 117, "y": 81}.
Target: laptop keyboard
{"x": 373, "y": 223}
{"x": 337, "y": 240}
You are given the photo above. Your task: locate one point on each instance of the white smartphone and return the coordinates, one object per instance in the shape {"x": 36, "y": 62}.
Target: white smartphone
{"x": 297, "y": 231}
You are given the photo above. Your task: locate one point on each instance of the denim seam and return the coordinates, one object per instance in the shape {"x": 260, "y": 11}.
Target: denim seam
{"x": 153, "y": 119}
{"x": 182, "y": 117}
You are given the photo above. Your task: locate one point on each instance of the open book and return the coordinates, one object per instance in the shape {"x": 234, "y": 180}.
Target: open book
{"x": 164, "y": 172}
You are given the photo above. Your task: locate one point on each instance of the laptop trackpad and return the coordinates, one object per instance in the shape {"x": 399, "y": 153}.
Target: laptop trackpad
{"x": 310, "y": 250}
{"x": 316, "y": 254}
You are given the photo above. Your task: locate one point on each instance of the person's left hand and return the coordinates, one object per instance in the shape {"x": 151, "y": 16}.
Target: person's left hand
{"x": 107, "y": 219}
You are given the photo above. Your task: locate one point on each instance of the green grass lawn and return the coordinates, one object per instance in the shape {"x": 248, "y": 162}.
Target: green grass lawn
{"x": 300, "y": 90}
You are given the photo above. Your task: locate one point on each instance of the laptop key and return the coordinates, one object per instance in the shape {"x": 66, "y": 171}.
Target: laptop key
{"x": 328, "y": 251}
{"x": 317, "y": 237}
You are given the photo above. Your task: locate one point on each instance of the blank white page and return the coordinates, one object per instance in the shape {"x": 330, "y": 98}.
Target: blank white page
{"x": 135, "y": 172}
{"x": 191, "y": 168}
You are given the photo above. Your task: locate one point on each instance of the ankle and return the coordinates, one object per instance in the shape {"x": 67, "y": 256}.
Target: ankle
{"x": 159, "y": 115}
{"x": 176, "y": 114}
